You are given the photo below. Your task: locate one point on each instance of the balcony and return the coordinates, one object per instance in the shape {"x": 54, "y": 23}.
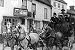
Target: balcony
{"x": 20, "y": 12}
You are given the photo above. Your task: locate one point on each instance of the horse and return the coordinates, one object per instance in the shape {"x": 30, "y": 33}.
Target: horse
{"x": 8, "y": 38}
{"x": 48, "y": 36}
{"x": 26, "y": 40}
{"x": 30, "y": 40}
{"x": 51, "y": 37}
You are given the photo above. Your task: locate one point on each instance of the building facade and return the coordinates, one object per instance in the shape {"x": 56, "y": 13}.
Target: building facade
{"x": 13, "y": 13}
{"x": 26, "y": 12}
{"x": 71, "y": 11}
{"x": 57, "y": 6}
{"x": 43, "y": 13}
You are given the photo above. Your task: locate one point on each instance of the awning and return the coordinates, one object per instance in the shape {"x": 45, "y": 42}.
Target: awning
{"x": 46, "y": 21}
{"x": 14, "y": 17}
{"x": 30, "y": 18}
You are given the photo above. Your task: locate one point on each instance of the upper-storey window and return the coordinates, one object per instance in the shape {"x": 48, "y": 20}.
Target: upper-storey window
{"x": 34, "y": 8}
{"x": 23, "y": 21}
{"x": 54, "y": 4}
{"x": 45, "y": 13}
{"x": 62, "y": 6}
{"x": 24, "y": 4}
{"x": 30, "y": 0}
{"x": 2, "y": 3}
{"x": 58, "y": 5}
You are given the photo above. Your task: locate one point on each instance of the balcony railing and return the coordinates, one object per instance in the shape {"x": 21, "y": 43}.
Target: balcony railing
{"x": 20, "y": 12}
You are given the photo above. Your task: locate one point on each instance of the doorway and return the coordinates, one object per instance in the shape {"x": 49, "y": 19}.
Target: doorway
{"x": 29, "y": 23}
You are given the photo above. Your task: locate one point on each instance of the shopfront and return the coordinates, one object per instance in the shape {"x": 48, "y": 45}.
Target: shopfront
{"x": 19, "y": 15}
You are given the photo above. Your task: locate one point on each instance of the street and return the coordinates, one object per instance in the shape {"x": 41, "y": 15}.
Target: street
{"x": 8, "y": 48}
{"x": 73, "y": 47}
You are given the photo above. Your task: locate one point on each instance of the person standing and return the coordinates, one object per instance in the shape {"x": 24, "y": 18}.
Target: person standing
{"x": 33, "y": 28}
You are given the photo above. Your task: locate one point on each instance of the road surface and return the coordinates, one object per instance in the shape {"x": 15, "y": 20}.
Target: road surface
{"x": 73, "y": 47}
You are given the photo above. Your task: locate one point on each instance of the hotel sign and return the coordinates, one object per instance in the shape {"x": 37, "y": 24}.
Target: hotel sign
{"x": 20, "y": 12}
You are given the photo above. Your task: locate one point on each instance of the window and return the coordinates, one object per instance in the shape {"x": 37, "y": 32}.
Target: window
{"x": 54, "y": 4}
{"x": 2, "y": 3}
{"x": 11, "y": 20}
{"x": 34, "y": 9}
{"x": 62, "y": 6}
{"x": 7, "y": 20}
{"x": 37, "y": 23}
{"x": 54, "y": 13}
{"x": 58, "y": 5}
{"x": 23, "y": 21}
{"x": 24, "y": 4}
{"x": 45, "y": 13}
{"x": 30, "y": 0}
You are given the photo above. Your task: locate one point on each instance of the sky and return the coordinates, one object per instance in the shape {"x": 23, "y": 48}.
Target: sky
{"x": 70, "y": 2}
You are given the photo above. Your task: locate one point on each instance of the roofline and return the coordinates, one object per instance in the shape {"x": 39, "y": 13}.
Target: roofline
{"x": 44, "y": 3}
{"x": 70, "y": 13}
{"x": 62, "y": 2}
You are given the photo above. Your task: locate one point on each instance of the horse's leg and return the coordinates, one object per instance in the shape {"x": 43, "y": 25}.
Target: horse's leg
{"x": 35, "y": 46}
{"x": 42, "y": 48}
{"x": 60, "y": 48}
{"x": 16, "y": 47}
{"x": 46, "y": 47}
{"x": 12, "y": 47}
{"x": 56, "y": 47}
{"x": 3, "y": 46}
{"x": 50, "y": 48}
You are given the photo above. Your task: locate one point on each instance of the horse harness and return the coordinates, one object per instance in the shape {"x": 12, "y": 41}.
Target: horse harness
{"x": 29, "y": 41}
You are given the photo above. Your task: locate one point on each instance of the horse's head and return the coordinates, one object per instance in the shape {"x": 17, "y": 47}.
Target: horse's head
{"x": 46, "y": 30}
{"x": 19, "y": 33}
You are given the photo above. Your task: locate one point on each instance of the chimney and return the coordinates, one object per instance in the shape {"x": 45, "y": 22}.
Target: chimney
{"x": 72, "y": 7}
